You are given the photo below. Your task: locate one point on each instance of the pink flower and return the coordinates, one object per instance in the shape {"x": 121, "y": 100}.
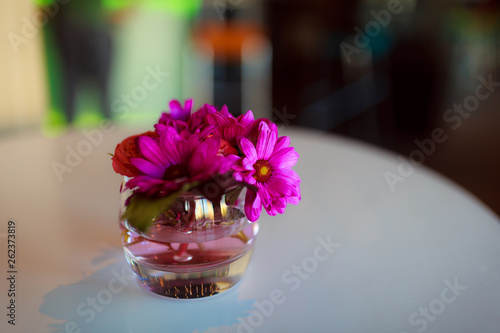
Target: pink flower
{"x": 187, "y": 150}
{"x": 267, "y": 165}
{"x": 227, "y": 127}
{"x": 177, "y": 111}
{"x": 253, "y": 128}
{"x": 177, "y": 118}
{"x": 197, "y": 120}
{"x": 175, "y": 159}
{"x": 180, "y": 119}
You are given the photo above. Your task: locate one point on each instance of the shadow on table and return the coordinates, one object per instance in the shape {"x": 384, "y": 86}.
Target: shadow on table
{"x": 109, "y": 300}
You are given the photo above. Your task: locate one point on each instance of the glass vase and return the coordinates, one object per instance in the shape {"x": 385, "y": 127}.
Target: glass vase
{"x": 196, "y": 248}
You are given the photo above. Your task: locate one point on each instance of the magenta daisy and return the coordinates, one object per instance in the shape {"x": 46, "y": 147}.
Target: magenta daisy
{"x": 267, "y": 165}
{"x": 175, "y": 159}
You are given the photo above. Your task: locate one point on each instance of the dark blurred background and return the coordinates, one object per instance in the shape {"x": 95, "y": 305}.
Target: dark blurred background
{"x": 387, "y": 72}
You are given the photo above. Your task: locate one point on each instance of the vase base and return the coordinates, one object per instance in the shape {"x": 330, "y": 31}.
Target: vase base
{"x": 190, "y": 284}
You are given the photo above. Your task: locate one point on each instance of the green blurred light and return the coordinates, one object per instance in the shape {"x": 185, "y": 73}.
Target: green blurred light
{"x": 54, "y": 123}
{"x": 88, "y": 118}
{"x": 116, "y": 4}
{"x": 181, "y": 7}
{"x": 43, "y": 2}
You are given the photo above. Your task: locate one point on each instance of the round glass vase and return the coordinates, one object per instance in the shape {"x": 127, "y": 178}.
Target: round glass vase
{"x": 196, "y": 248}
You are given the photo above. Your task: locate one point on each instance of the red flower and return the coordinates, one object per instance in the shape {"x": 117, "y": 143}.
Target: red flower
{"x": 126, "y": 150}
{"x": 226, "y": 149}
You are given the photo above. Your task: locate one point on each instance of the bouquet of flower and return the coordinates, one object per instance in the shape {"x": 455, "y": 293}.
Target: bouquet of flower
{"x": 187, "y": 151}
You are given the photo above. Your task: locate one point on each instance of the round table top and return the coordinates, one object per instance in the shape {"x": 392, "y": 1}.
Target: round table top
{"x": 364, "y": 251}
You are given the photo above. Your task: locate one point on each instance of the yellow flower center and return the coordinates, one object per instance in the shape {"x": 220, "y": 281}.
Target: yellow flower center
{"x": 262, "y": 171}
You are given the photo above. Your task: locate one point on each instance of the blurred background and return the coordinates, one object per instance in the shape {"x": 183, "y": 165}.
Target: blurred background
{"x": 386, "y": 72}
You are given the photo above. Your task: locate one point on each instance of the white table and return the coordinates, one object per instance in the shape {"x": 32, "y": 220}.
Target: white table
{"x": 425, "y": 257}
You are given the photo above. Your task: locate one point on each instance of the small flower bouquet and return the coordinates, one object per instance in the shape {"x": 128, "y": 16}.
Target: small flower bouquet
{"x": 193, "y": 191}
{"x": 206, "y": 151}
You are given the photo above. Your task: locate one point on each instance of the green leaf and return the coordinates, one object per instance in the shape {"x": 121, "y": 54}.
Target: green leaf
{"x": 232, "y": 196}
{"x": 142, "y": 210}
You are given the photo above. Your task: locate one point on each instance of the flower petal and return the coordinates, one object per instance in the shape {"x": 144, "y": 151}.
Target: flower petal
{"x": 287, "y": 175}
{"x": 253, "y": 205}
{"x": 178, "y": 112}
{"x": 174, "y": 105}
{"x": 265, "y": 142}
{"x": 284, "y": 158}
{"x": 281, "y": 187}
{"x": 248, "y": 149}
{"x": 232, "y": 131}
{"x": 204, "y": 160}
{"x": 227, "y": 163}
{"x": 278, "y": 205}
{"x": 225, "y": 113}
{"x": 249, "y": 178}
{"x": 169, "y": 142}
{"x": 248, "y": 164}
{"x": 216, "y": 119}
{"x": 188, "y": 104}
{"x": 207, "y": 131}
{"x": 150, "y": 149}
{"x": 265, "y": 194}
{"x": 148, "y": 168}
{"x": 238, "y": 176}
{"x": 183, "y": 149}
{"x": 282, "y": 142}
{"x": 293, "y": 200}
{"x": 246, "y": 119}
